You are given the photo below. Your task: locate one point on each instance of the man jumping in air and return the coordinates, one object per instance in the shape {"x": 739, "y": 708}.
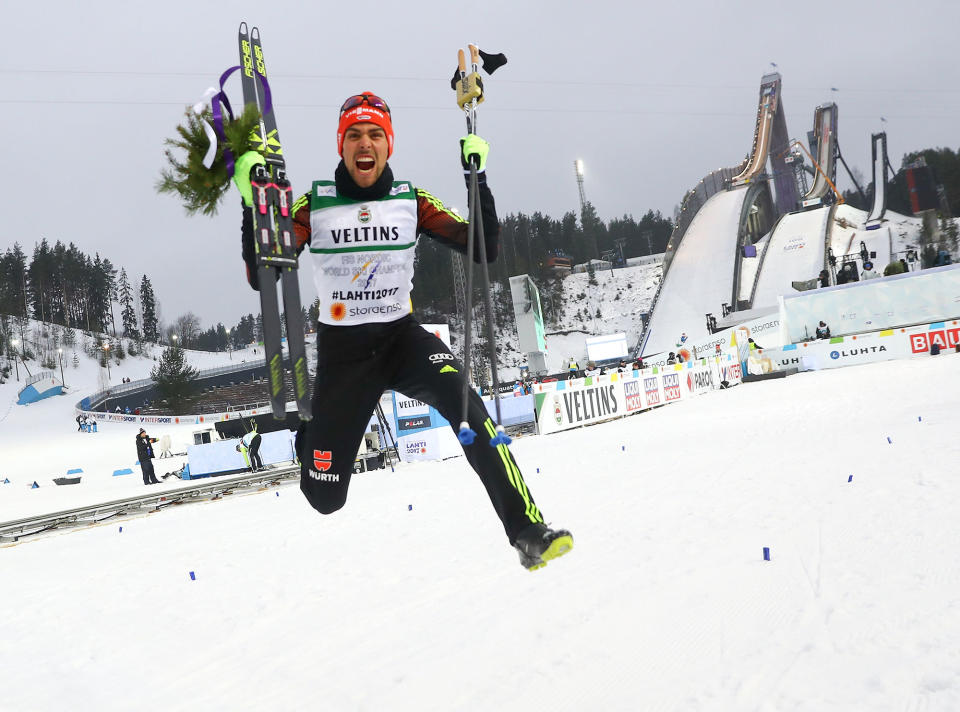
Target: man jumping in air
{"x": 362, "y": 229}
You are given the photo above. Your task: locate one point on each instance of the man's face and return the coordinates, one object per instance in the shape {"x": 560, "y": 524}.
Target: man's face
{"x": 365, "y": 153}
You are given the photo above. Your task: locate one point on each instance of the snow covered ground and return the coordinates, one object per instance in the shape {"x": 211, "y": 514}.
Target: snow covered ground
{"x": 411, "y": 599}
{"x": 41, "y": 441}
{"x": 621, "y": 297}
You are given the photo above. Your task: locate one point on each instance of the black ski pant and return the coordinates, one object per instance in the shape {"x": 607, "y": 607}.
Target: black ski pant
{"x": 146, "y": 467}
{"x": 355, "y": 365}
{"x": 255, "y": 462}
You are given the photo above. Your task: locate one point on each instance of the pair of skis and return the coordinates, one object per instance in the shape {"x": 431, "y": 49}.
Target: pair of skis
{"x": 274, "y": 237}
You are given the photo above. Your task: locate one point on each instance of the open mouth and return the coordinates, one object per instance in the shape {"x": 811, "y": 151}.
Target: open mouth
{"x": 365, "y": 163}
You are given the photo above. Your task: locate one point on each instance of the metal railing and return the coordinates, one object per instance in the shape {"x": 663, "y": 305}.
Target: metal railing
{"x": 133, "y": 386}
{"x": 247, "y": 406}
{"x": 208, "y": 488}
{"x": 39, "y": 377}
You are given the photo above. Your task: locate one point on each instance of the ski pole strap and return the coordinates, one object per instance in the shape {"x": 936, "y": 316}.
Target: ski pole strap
{"x": 221, "y": 98}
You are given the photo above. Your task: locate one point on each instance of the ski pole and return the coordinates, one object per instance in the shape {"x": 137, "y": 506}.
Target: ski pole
{"x": 465, "y": 96}
{"x": 470, "y": 93}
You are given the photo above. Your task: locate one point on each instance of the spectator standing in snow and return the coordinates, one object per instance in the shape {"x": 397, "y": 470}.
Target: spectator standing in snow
{"x": 145, "y": 455}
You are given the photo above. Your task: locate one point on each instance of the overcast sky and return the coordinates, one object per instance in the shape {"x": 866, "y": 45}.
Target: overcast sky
{"x": 651, "y": 96}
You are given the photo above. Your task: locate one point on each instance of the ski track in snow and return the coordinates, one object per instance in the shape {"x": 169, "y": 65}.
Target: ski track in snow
{"x": 664, "y": 604}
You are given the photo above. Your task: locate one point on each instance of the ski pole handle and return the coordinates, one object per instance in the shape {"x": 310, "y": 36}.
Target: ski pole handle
{"x": 474, "y": 58}
{"x": 470, "y": 86}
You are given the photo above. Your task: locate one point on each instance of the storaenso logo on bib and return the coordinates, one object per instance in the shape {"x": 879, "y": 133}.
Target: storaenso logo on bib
{"x": 375, "y": 309}
{"x": 364, "y": 215}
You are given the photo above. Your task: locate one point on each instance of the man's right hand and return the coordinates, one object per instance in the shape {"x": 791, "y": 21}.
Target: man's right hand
{"x": 241, "y": 175}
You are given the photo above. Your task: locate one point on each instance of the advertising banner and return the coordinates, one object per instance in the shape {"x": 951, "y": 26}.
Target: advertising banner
{"x": 866, "y": 348}
{"x": 528, "y": 313}
{"x": 572, "y": 407}
{"x": 653, "y": 388}
{"x": 432, "y": 444}
{"x": 670, "y": 379}
{"x": 764, "y": 329}
{"x": 727, "y": 368}
{"x": 583, "y": 401}
{"x": 421, "y": 432}
{"x": 634, "y": 400}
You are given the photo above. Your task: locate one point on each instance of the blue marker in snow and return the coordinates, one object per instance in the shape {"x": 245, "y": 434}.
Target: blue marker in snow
{"x": 766, "y": 553}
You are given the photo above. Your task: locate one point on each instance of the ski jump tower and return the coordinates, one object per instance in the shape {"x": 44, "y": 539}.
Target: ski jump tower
{"x": 824, "y": 151}
{"x": 771, "y": 140}
{"x": 880, "y": 163}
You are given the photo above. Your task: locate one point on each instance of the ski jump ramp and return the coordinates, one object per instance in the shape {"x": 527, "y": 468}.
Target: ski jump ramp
{"x": 795, "y": 252}
{"x": 771, "y": 141}
{"x": 825, "y": 130}
{"x": 879, "y": 141}
{"x": 701, "y": 273}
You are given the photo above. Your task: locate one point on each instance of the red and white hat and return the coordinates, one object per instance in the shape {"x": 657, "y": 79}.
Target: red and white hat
{"x": 368, "y": 108}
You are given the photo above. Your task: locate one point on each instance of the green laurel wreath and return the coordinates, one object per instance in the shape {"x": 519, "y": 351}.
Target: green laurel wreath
{"x": 201, "y": 189}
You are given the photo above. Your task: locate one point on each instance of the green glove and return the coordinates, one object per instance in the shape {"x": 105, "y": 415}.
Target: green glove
{"x": 241, "y": 174}
{"x": 473, "y": 147}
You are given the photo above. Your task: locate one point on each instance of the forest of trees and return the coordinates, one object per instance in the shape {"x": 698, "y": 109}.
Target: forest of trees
{"x": 526, "y": 242}
{"x": 945, "y": 164}
{"x": 62, "y": 285}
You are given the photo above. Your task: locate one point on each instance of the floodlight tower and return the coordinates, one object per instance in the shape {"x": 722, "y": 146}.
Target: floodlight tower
{"x": 578, "y": 170}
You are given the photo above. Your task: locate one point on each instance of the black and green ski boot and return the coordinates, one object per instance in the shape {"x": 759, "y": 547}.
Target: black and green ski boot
{"x": 537, "y": 544}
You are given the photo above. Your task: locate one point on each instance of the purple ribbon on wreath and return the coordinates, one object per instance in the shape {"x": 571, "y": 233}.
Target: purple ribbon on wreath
{"x": 221, "y": 98}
